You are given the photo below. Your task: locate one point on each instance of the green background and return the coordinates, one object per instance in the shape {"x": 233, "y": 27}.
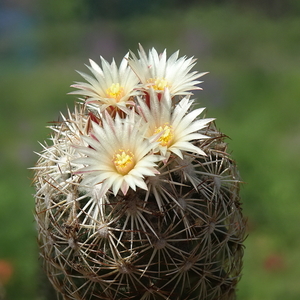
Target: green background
{"x": 252, "y": 53}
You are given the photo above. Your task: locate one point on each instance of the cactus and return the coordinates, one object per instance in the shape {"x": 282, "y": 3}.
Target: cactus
{"x": 137, "y": 196}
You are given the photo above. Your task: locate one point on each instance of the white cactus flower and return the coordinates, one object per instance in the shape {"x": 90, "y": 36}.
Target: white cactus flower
{"x": 111, "y": 87}
{"x": 158, "y": 72}
{"x": 177, "y": 126}
{"x": 118, "y": 156}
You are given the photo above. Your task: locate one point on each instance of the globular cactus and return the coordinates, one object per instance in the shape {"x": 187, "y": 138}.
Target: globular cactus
{"x": 136, "y": 195}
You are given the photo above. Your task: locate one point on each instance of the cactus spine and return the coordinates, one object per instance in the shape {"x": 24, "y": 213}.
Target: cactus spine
{"x": 137, "y": 196}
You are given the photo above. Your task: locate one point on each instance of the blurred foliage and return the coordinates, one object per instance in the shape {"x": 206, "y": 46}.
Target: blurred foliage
{"x": 252, "y": 53}
{"x": 67, "y": 10}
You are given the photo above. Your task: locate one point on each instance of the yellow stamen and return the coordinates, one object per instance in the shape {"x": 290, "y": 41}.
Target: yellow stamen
{"x": 123, "y": 161}
{"x": 167, "y": 137}
{"x": 158, "y": 83}
{"x": 115, "y": 91}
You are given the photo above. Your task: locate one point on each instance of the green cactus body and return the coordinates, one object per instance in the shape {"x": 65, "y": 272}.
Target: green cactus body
{"x": 165, "y": 222}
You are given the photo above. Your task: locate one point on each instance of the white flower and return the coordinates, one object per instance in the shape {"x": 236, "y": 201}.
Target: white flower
{"x": 175, "y": 126}
{"x": 158, "y": 72}
{"x": 110, "y": 87}
{"x": 118, "y": 156}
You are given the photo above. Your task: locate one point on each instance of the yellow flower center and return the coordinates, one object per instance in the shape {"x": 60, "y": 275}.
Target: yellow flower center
{"x": 167, "y": 137}
{"x": 115, "y": 91}
{"x": 158, "y": 83}
{"x": 123, "y": 161}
